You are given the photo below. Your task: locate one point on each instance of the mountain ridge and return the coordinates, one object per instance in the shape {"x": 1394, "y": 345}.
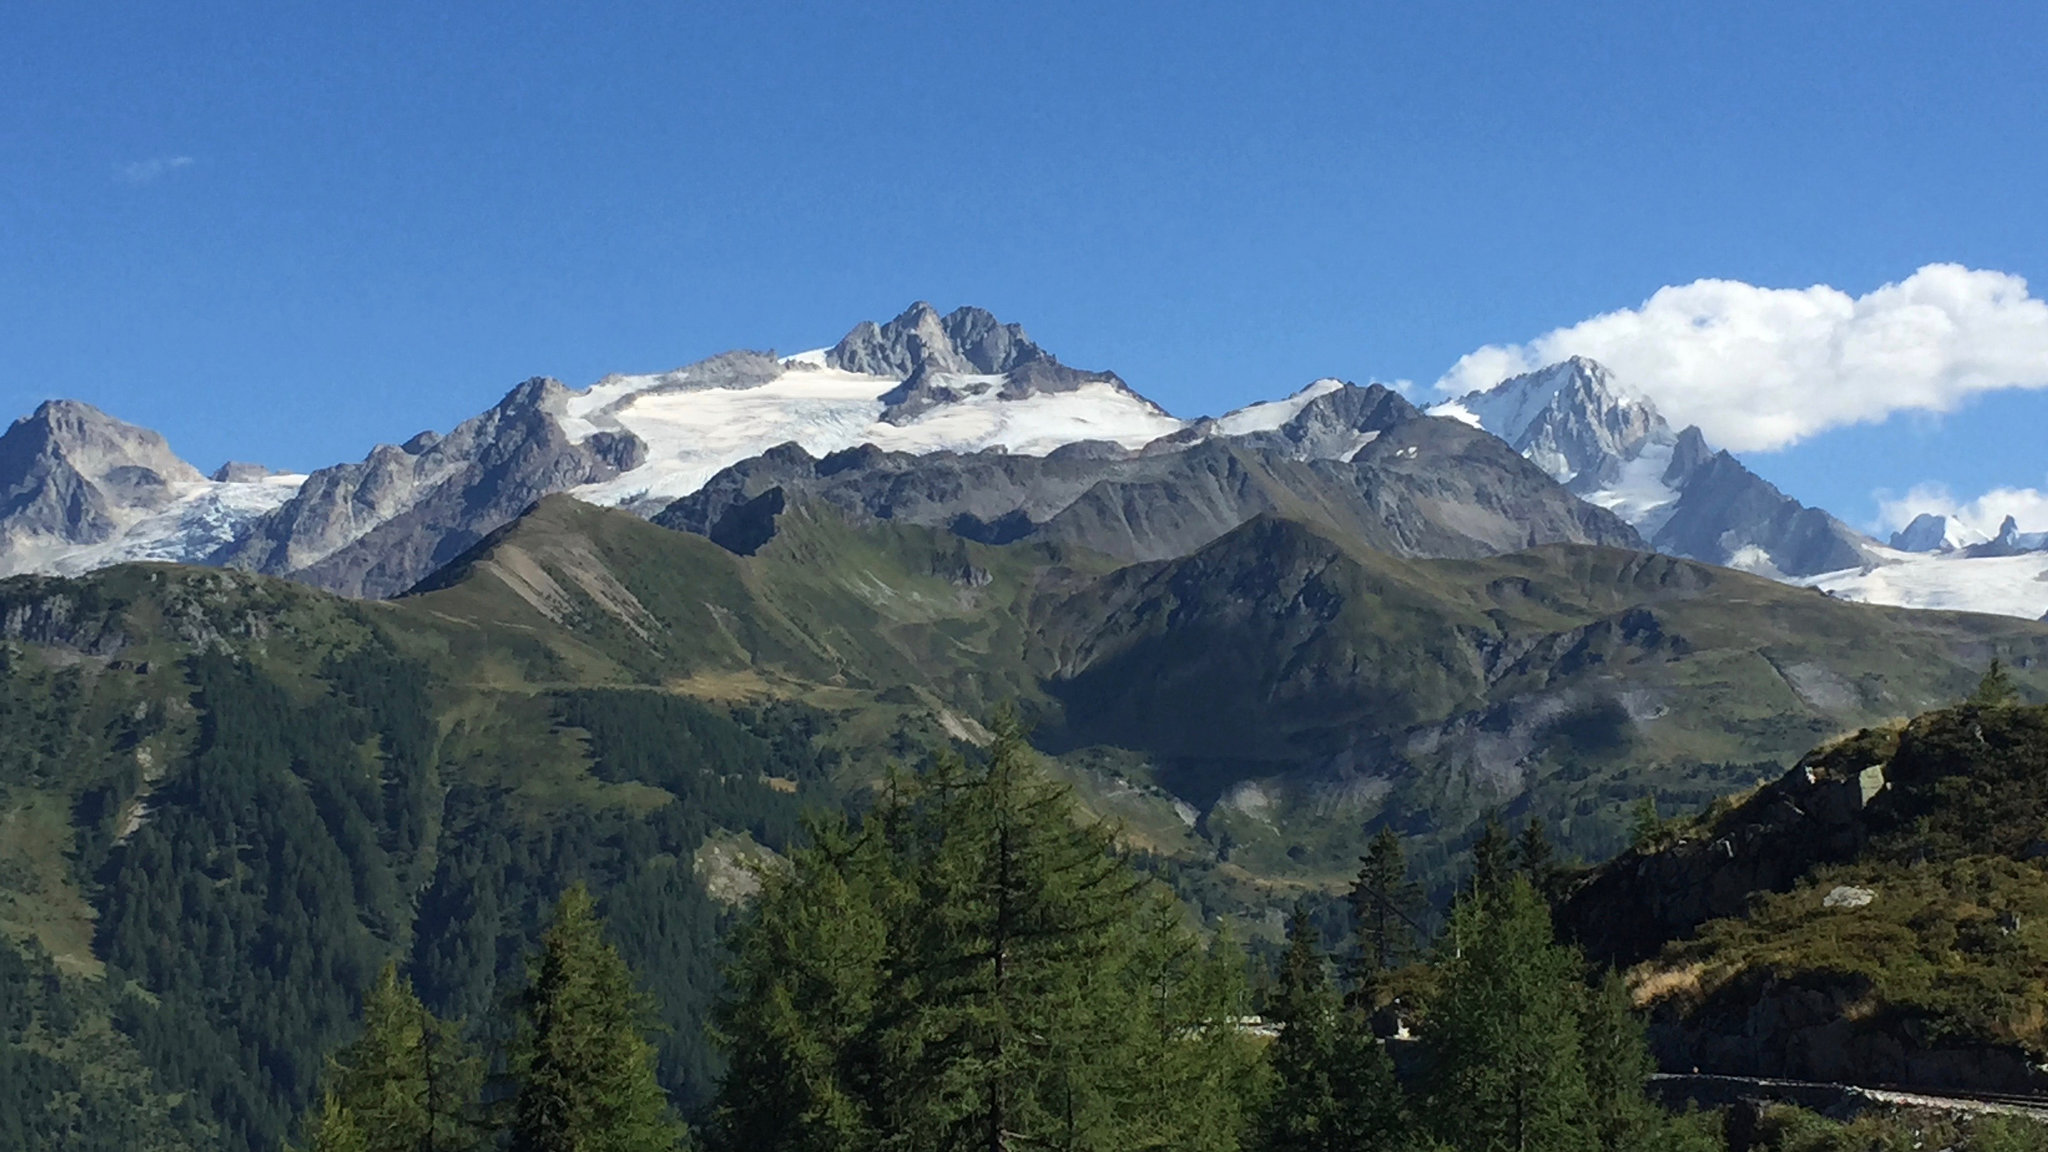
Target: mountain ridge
{"x": 1610, "y": 445}
{"x": 941, "y": 388}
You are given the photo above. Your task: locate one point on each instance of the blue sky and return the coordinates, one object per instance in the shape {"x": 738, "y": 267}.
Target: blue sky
{"x": 287, "y": 231}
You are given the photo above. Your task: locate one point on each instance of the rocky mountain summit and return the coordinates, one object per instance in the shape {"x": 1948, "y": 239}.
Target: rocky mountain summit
{"x": 1610, "y": 445}
{"x": 2009, "y": 541}
{"x": 945, "y": 359}
{"x": 80, "y": 489}
{"x": 70, "y": 473}
{"x": 1363, "y": 461}
{"x": 1933, "y": 532}
{"x": 374, "y": 528}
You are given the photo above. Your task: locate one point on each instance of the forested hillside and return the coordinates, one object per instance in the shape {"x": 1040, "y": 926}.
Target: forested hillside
{"x": 229, "y": 800}
{"x": 252, "y": 835}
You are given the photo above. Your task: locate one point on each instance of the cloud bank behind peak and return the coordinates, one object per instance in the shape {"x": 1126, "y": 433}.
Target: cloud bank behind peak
{"x": 1760, "y": 369}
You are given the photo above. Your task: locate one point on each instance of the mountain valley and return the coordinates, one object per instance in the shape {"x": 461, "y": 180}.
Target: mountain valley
{"x": 288, "y": 728}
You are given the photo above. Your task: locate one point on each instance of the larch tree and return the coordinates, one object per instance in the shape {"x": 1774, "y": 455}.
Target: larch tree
{"x": 1024, "y": 945}
{"x": 333, "y": 1128}
{"x": 971, "y": 967}
{"x": 805, "y": 994}
{"x": 1385, "y": 906}
{"x": 582, "y": 1069}
{"x": 1504, "y": 1071}
{"x": 1187, "y": 1049}
{"x": 408, "y": 1084}
{"x": 1332, "y": 1087}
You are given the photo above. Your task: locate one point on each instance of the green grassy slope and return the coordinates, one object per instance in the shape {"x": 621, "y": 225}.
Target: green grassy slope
{"x": 206, "y": 771}
{"x": 1804, "y": 931}
{"x": 1296, "y": 688}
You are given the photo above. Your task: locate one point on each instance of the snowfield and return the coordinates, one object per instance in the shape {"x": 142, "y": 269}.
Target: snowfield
{"x": 202, "y": 517}
{"x": 691, "y": 435}
{"x": 2002, "y": 585}
{"x": 1272, "y": 415}
{"x": 1639, "y": 495}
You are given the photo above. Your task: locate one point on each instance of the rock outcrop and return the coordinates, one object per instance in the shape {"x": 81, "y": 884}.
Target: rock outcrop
{"x": 376, "y": 527}
{"x": 1362, "y": 461}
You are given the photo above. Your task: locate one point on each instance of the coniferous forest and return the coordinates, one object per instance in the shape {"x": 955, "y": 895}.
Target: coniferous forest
{"x": 312, "y": 892}
{"x": 968, "y": 964}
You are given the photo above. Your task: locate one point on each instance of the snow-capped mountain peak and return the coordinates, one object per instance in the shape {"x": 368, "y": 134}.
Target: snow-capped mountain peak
{"x": 80, "y": 489}
{"x": 1271, "y": 415}
{"x": 1573, "y": 419}
{"x": 1589, "y": 431}
{"x": 1607, "y": 442}
{"x": 1933, "y": 532}
{"x": 923, "y": 382}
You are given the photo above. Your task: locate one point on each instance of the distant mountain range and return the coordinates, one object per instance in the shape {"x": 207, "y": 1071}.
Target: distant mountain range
{"x": 963, "y": 422}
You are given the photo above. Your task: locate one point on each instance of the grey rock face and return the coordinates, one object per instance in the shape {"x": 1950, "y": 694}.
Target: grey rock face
{"x": 1581, "y": 426}
{"x": 1590, "y": 428}
{"x": 1728, "y": 514}
{"x": 2010, "y": 541}
{"x": 45, "y": 611}
{"x": 965, "y": 342}
{"x": 1725, "y": 509}
{"x": 1688, "y": 455}
{"x": 71, "y": 474}
{"x": 1337, "y": 425}
{"x": 241, "y": 472}
{"x": 1928, "y": 532}
{"x": 1411, "y": 485}
{"x": 376, "y": 527}
{"x": 1573, "y": 419}
{"x": 938, "y": 358}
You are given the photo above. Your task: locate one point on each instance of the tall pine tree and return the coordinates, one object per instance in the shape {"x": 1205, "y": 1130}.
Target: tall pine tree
{"x": 1996, "y": 689}
{"x": 806, "y": 993}
{"x": 1501, "y": 1040}
{"x": 973, "y": 968}
{"x": 584, "y": 1073}
{"x": 1492, "y": 855}
{"x": 1536, "y": 859}
{"x": 1332, "y": 1086}
{"x": 1618, "y": 1067}
{"x": 1385, "y": 907}
{"x": 407, "y": 1084}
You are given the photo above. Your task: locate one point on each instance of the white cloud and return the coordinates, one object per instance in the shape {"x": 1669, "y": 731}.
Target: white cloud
{"x": 1764, "y": 368}
{"x": 2027, "y": 506}
{"x": 145, "y": 171}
